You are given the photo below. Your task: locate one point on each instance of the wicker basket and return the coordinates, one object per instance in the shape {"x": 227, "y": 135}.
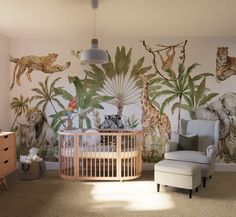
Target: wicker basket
{"x": 31, "y": 171}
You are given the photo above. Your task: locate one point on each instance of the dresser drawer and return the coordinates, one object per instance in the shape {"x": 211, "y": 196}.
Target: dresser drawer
{"x": 7, "y": 140}
{"x": 7, "y": 153}
{"x": 6, "y": 167}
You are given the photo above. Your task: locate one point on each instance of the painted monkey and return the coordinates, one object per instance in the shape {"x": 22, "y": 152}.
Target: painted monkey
{"x": 167, "y": 64}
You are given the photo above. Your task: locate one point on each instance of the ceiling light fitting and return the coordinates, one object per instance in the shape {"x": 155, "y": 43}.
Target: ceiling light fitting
{"x": 94, "y": 55}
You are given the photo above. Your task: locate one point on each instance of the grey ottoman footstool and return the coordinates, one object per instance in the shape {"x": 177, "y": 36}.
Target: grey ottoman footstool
{"x": 177, "y": 174}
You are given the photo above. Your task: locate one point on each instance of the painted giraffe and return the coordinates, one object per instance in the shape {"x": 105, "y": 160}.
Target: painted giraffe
{"x": 151, "y": 114}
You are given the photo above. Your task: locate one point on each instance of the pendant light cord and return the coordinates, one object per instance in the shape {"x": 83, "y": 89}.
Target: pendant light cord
{"x": 94, "y": 23}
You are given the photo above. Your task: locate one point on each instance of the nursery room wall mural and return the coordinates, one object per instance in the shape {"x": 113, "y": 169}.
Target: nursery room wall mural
{"x": 140, "y": 77}
{"x": 37, "y": 132}
{"x": 29, "y": 63}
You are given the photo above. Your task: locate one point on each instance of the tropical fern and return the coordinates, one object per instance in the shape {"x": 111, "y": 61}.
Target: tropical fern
{"x": 131, "y": 122}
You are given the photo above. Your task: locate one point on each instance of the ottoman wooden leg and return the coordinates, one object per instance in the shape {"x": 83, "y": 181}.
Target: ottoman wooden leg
{"x": 158, "y": 187}
{"x": 190, "y": 193}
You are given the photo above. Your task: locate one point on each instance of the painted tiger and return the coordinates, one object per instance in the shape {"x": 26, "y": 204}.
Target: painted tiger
{"x": 225, "y": 65}
{"x": 29, "y": 63}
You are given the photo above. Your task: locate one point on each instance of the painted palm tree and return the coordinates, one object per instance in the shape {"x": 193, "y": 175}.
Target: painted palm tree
{"x": 118, "y": 79}
{"x": 87, "y": 99}
{"x": 47, "y": 95}
{"x": 19, "y": 106}
{"x": 197, "y": 97}
{"x": 178, "y": 90}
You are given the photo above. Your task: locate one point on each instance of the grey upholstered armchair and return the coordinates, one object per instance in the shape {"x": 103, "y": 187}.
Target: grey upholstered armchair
{"x": 208, "y": 138}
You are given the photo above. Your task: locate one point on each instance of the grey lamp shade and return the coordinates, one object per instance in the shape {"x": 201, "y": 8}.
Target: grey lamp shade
{"x": 94, "y": 55}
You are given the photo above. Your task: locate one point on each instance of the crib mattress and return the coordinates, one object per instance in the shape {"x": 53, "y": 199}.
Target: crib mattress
{"x": 96, "y": 152}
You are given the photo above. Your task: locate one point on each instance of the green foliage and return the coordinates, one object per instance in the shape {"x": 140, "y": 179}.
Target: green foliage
{"x": 19, "y": 106}
{"x": 131, "y": 122}
{"x": 87, "y": 100}
{"x": 118, "y": 79}
{"x": 58, "y": 119}
{"x": 156, "y": 153}
{"x": 187, "y": 88}
{"x": 49, "y": 154}
{"x": 45, "y": 95}
{"x": 197, "y": 96}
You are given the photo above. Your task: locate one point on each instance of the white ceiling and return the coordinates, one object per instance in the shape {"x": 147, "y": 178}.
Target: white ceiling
{"x": 117, "y": 18}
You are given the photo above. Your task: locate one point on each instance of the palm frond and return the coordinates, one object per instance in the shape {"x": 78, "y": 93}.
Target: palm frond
{"x": 53, "y": 84}
{"x": 38, "y": 91}
{"x": 207, "y": 98}
{"x": 166, "y": 102}
{"x": 41, "y": 102}
{"x": 200, "y": 91}
{"x": 65, "y": 94}
{"x": 202, "y": 75}
{"x": 58, "y": 102}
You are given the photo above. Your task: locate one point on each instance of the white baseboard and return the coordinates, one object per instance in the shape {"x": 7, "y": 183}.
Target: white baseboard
{"x": 49, "y": 165}
{"x": 52, "y": 165}
{"x": 148, "y": 166}
{"x": 222, "y": 167}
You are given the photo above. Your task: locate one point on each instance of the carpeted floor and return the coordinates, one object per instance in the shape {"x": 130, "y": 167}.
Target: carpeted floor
{"x": 52, "y": 196}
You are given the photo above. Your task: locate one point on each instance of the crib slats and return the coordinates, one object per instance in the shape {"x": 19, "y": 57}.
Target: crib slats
{"x": 103, "y": 155}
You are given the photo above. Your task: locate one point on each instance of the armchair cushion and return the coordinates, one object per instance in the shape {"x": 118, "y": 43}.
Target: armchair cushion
{"x": 188, "y": 156}
{"x": 188, "y": 142}
{"x": 171, "y": 146}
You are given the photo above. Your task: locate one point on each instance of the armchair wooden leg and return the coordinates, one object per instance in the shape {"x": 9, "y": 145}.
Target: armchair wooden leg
{"x": 196, "y": 190}
{"x": 190, "y": 193}
{"x": 204, "y": 182}
{"x": 158, "y": 187}
{"x": 210, "y": 177}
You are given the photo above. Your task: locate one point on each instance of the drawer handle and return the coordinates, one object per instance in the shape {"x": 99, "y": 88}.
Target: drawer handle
{"x": 6, "y": 161}
{"x": 5, "y": 137}
{"x": 5, "y": 149}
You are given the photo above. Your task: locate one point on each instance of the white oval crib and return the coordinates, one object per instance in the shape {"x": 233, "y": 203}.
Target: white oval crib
{"x": 100, "y": 154}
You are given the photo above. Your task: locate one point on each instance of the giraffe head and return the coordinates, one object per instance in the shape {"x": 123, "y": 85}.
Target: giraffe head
{"x": 144, "y": 79}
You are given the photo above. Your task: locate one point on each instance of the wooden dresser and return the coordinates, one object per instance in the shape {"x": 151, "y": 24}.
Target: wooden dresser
{"x": 7, "y": 155}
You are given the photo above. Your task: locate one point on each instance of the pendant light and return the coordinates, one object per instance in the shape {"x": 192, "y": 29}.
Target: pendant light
{"x": 94, "y": 55}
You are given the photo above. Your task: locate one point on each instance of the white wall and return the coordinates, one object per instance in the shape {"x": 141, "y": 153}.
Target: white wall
{"x": 201, "y": 50}
{"x": 4, "y": 84}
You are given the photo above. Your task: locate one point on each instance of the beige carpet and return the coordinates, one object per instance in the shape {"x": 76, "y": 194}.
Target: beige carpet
{"x": 51, "y": 196}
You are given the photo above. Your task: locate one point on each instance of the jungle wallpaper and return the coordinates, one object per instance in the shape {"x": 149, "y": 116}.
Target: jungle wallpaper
{"x": 157, "y": 81}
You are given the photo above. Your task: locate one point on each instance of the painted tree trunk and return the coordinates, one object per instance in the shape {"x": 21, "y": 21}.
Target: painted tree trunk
{"x": 120, "y": 109}
{"x": 81, "y": 121}
{"x": 13, "y": 124}
{"x": 57, "y": 113}
{"x": 179, "y": 114}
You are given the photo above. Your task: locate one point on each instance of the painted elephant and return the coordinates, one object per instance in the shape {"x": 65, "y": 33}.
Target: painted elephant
{"x": 223, "y": 109}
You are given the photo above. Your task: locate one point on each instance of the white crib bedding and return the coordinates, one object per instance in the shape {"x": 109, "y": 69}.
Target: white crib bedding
{"x": 94, "y": 150}
{"x": 69, "y": 151}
